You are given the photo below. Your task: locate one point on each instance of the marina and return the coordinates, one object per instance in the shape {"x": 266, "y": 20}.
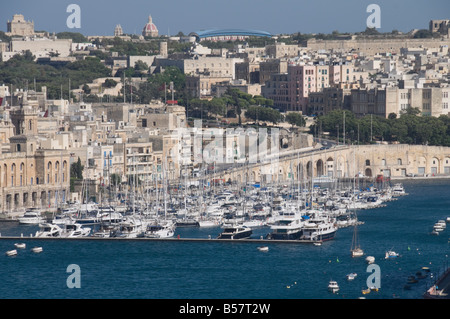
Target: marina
{"x": 194, "y": 263}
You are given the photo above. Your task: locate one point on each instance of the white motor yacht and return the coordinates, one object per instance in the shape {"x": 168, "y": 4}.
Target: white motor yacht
{"x": 333, "y": 286}
{"x": 49, "y": 230}
{"x": 31, "y": 216}
{"x": 286, "y": 226}
{"x": 71, "y": 230}
{"x": 164, "y": 229}
{"x": 398, "y": 190}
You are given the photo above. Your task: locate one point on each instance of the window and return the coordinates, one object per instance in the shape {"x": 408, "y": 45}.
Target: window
{"x": 367, "y": 162}
{"x": 399, "y": 161}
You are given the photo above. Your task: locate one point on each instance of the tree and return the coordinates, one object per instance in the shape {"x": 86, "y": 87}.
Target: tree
{"x": 76, "y": 170}
{"x": 110, "y": 83}
{"x": 296, "y": 119}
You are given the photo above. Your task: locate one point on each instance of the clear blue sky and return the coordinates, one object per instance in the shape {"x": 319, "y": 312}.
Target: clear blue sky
{"x": 99, "y": 17}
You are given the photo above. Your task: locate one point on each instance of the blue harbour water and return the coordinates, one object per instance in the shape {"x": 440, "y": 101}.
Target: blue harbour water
{"x": 113, "y": 269}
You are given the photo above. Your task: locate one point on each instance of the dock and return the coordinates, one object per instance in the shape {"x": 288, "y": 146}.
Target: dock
{"x": 172, "y": 239}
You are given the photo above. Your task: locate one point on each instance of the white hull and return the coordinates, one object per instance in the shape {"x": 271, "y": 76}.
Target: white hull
{"x": 36, "y": 249}
{"x": 11, "y": 253}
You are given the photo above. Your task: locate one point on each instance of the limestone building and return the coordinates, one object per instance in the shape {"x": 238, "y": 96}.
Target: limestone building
{"x": 430, "y": 101}
{"x": 31, "y": 176}
{"x": 118, "y": 31}
{"x": 19, "y": 26}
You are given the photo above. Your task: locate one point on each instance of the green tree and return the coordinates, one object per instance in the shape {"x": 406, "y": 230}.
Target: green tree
{"x": 295, "y": 119}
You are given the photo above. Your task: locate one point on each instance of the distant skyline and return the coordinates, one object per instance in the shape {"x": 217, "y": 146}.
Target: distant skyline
{"x": 99, "y": 17}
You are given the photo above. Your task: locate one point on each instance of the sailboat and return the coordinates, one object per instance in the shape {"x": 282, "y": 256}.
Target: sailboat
{"x": 356, "y": 250}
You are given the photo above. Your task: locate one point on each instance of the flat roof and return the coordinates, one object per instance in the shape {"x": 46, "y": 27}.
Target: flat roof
{"x": 229, "y": 32}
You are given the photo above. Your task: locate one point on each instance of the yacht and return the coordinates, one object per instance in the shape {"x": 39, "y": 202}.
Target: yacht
{"x": 71, "y": 230}
{"x": 49, "y": 230}
{"x": 440, "y": 225}
{"x": 165, "y": 229}
{"x": 318, "y": 227}
{"x": 32, "y": 216}
{"x": 390, "y": 254}
{"x": 398, "y": 190}
{"x": 130, "y": 227}
{"x": 235, "y": 232}
{"x": 286, "y": 226}
{"x": 333, "y": 286}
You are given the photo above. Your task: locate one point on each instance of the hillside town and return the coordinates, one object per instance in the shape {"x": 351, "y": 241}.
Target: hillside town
{"x": 108, "y": 128}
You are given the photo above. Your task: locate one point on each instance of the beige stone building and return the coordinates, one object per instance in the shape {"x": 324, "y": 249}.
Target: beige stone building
{"x": 430, "y": 101}
{"x": 31, "y": 176}
{"x": 202, "y": 85}
{"x": 39, "y": 47}
{"x": 18, "y": 26}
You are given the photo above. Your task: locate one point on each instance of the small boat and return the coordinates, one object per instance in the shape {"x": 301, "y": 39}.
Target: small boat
{"x": 20, "y": 245}
{"x": 366, "y": 291}
{"x": 11, "y": 253}
{"x": 263, "y": 248}
{"x": 420, "y": 275}
{"x": 448, "y": 220}
{"x": 370, "y": 259}
{"x": 36, "y": 249}
{"x": 358, "y": 252}
{"x": 351, "y": 276}
{"x": 426, "y": 269}
{"x": 412, "y": 280}
{"x": 391, "y": 254}
{"x": 333, "y": 286}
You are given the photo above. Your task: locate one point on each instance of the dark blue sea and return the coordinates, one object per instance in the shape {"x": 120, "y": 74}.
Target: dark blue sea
{"x": 111, "y": 269}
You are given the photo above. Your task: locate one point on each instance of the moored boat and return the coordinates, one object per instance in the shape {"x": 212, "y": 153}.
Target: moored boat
{"x": 235, "y": 232}
{"x": 49, "y": 230}
{"x": 11, "y": 253}
{"x": 32, "y": 217}
{"x": 36, "y": 249}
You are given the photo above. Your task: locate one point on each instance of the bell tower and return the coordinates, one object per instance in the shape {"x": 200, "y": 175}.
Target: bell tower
{"x": 25, "y": 121}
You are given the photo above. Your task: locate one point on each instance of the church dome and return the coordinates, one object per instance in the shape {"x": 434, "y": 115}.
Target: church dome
{"x": 150, "y": 28}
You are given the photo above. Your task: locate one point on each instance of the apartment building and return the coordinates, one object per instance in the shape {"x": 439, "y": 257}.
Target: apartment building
{"x": 430, "y": 101}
